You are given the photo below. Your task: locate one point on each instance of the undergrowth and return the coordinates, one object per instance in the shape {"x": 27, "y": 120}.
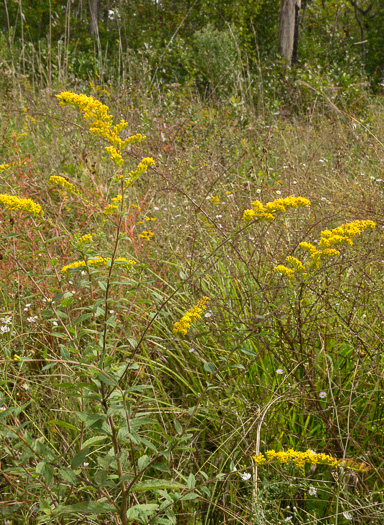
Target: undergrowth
{"x": 166, "y": 358}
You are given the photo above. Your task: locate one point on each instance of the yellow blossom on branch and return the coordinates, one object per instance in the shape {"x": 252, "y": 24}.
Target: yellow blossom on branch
{"x": 288, "y": 272}
{"x": 110, "y": 209}
{"x": 11, "y": 202}
{"x": 277, "y": 206}
{"x": 141, "y": 168}
{"x": 98, "y": 261}
{"x": 61, "y": 181}
{"x": 300, "y": 459}
{"x": 192, "y": 315}
{"x": 101, "y": 123}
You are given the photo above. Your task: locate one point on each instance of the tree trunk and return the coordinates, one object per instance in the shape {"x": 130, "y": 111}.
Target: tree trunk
{"x": 94, "y": 8}
{"x": 289, "y": 28}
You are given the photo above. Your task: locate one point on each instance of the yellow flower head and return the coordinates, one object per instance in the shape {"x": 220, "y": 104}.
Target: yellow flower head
{"x": 11, "y": 202}
{"x": 97, "y": 261}
{"x": 61, "y": 181}
{"x": 300, "y": 459}
{"x": 141, "y": 168}
{"x": 100, "y": 123}
{"x": 288, "y": 272}
{"x": 192, "y": 315}
{"x": 277, "y": 206}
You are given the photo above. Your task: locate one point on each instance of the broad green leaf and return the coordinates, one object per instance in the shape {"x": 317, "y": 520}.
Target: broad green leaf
{"x": 68, "y": 475}
{"x": 85, "y": 507}
{"x": 94, "y": 440}
{"x": 79, "y": 458}
{"x": 210, "y": 367}
{"x": 143, "y": 462}
{"x": 156, "y": 484}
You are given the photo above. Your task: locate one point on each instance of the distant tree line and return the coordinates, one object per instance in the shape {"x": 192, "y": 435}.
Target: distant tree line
{"x": 323, "y": 33}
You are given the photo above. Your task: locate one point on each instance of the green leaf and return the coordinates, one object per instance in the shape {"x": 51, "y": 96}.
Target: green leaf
{"x": 85, "y": 507}
{"x": 103, "y": 285}
{"x": 63, "y": 424}
{"x": 191, "y": 482}
{"x": 156, "y": 484}
{"x": 142, "y": 510}
{"x": 82, "y": 318}
{"x": 190, "y": 496}
{"x": 210, "y": 367}
{"x": 178, "y": 427}
{"x": 95, "y": 440}
{"x": 104, "y": 378}
{"x": 143, "y": 462}
{"x": 79, "y": 458}
{"x": 68, "y": 475}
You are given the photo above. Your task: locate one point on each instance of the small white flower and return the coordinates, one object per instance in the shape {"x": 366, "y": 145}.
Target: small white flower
{"x": 364, "y": 316}
{"x": 111, "y": 311}
{"x": 32, "y": 319}
{"x": 294, "y": 182}
{"x": 156, "y": 208}
{"x": 2, "y": 409}
{"x": 83, "y": 273}
{"x": 278, "y": 192}
{"x": 25, "y": 386}
{"x": 208, "y": 314}
{"x": 323, "y": 395}
{"x": 5, "y": 329}
{"x": 258, "y": 190}
{"x": 347, "y": 515}
{"x": 288, "y": 518}
{"x": 191, "y": 350}
{"x": 218, "y": 216}
{"x": 234, "y": 469}
{"x": 54, "y": 323}
{"x": 312, "y": 491}
{"x": 280, "y": 371}
{"x": 28, "y": 305}
{"x": 7, "y": 319}
{"x": 246, "y": 476}
{"x": 85, "y": 464}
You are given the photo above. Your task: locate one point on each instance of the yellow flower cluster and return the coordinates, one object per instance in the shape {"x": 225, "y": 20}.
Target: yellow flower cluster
{"x": 97, "y": 261}
{"x": 146, "y": 235}
{"x": 12, "y": 202}
{"x": 61, "y": 181}
{"x": 88, "y": 237}
{"x": 344, "y": 234}
{"x": 296, "y": 457}
{"x": 110, "y": 209}
{"x": 192, "y": 315}
{"x": 277, "y": 206}
{"x": 285, "y": 271}
{"x": 297, "y": 265}
{"x": 100, "y": 123}
{"x": 215, "y": 200}
{"x": 4, "y": 167}
{"x": 118, "y": 198}
{"x": 141, "y": 168}
{"x": 149, "y": 219}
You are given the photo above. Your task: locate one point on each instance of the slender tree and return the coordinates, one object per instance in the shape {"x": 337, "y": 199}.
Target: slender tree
{"x": 289, "y": 29}
{"x": 94, "y": 10}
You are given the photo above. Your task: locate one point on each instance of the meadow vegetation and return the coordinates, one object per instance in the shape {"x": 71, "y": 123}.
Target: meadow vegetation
{"x": 191, "y": 306}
